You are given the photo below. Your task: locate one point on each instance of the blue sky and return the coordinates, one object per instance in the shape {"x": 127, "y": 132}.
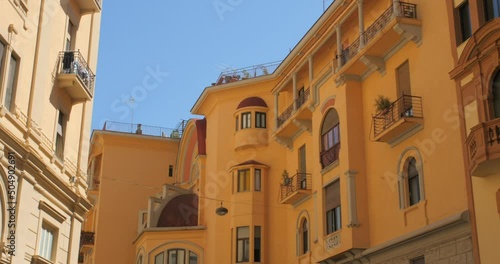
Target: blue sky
{"x": 164, "y": 53}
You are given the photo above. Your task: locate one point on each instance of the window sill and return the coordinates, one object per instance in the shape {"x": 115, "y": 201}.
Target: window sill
{"x": 330, "y": 167}
{"x": 36, "y": 259}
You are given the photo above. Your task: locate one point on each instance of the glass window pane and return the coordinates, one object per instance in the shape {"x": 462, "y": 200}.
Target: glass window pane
{"x": 496, "y": 94}
{"x": 193, "y": 258}
{"x": 46, "y": 242}
{"x": 159, "y": 258}
{"x": 11, "y": 78}
{"x": 2, "y": 54}
{"x": 465, "y": 22}
{"x": 257, "y": 180}
{"x": 257, "y": 246}
{"x": 181, "y": 256}
{"x": 243, "y": 232}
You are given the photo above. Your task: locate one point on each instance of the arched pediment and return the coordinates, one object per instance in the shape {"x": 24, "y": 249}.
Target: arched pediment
{"x": 478, "y": 44}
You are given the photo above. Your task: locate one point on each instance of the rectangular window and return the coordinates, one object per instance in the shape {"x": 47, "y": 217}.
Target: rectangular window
{"x": 159, "y": 258}
{"x": 333, "y": 212}
{"x": 47, "y": 240}
{"x": 419, "y": 260}
{"x": 491, "y": 9}
{"x": 193, "y": 258}
{"x": 465, "y": 22}
{"x": 2, "y": 54}
{"x": 242, "y": 244}
{"x": 10, "y": 90}
{"x": 414, "y": 189}
{"x": 246, "y": 120}
{"x": 176, "y": 256}
{"x": 260, "y": 120}
{"x": 256, "y": 244}
{"x": 243, "y": 180}
{"x": 60, "y": 136}
{"x": 170, "y": 170}
{"x": 257, "y": 176}
{"x": 403, "y": 79}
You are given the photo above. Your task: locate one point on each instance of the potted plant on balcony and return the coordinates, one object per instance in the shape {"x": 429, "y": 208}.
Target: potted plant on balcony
{"x": 382, "y": 104}
{"x": 286, "y": 178}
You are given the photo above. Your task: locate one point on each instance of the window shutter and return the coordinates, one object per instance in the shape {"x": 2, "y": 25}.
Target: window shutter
{"x": 332, "y": 195}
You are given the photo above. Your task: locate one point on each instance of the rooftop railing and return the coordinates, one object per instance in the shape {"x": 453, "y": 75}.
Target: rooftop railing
{"x": 234, "y": 75}
{"x": 141, "y": 129}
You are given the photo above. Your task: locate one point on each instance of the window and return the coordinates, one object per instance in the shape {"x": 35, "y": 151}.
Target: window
{"x": 403, "y": 79}
{"x": 242, "y": 244}
{"x": 491, "y": 9}
{"x": 333, "y": 212}
{"x": 465, "y": 22}
{"x": 176, "y": 256}
{"x": 60, "y": 136}
{"x": 330, "y": 139}
{"x": 159, "y": 258}
{"x": 304, "y": 233}
{"x": 2, "y": 54}
{"x": 496, "y": 95}
{"x": 419, "y": 260}
{"x": 170, "y": 170}
{"x": 139, "y": 260}
{"x": 246, "y": 120}
{"x": 70, "y": 36}
{"x": 301, "y": 97}
{"x": 10, "y": 90}
{"x": 260, "y": 120}
{"x": 257, "y": 174}
{"x": 257, "y": 244}
{"x": 47, "y": 242}
{"x": 244, "y": 180}
{"x": 413, "y": 182}
{"x": 193, "y": 258}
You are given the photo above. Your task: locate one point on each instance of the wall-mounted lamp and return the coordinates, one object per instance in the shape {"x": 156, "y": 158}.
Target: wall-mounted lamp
{"x": 221, "y": 210}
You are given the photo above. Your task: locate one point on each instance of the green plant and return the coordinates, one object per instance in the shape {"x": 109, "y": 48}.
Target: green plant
{"x": 286, "y": 178}
{"x": 382, "y": 103}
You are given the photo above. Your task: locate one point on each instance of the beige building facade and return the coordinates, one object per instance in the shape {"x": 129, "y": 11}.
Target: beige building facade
{"x": 48, "y": 58}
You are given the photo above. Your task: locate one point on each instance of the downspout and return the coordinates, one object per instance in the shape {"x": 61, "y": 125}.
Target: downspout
{"x": 35, "y": 66}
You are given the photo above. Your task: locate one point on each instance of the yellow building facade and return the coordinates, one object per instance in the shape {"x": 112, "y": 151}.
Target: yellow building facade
{"x": 127, "y": 164}
{"x": 48, "y": 57}
{"x": 295, "y": 164}
{"x": 475, "y": 27}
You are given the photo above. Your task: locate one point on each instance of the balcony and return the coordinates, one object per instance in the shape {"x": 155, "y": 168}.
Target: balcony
{"x": 86, "y": 241}
{"x": 296, "y": 188}
{"x": 367, "y": 54}
{"x": 296, "y": 118}
{"x": 330, "y": 156}
{"x": 483, "y": 145}
{"x": 75, "y": 76}
{"x": 236, "y": 75}
{"x": 403, "y": 116}
{"x": 89, "y": 5}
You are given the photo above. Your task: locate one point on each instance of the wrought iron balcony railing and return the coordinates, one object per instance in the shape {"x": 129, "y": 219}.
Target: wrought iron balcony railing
{"x": 234, "y": 75}
{"x": 330, "y": 155}
{"x": 300, "y": 181}
{"x": 144, "y": 130}
{"x": 72, "y": 62}
{"x": 406, "y": 106}
{"x": 407, "y": 10}
{"x": 297, "y": 103}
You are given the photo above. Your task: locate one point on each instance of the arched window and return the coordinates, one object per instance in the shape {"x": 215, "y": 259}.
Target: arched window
{"x": 330, "y": 138}
{"x": 496, "y": 95}
{"x": 304, "y": 233}
{"x": 413, "y": 182}
{"x": 139, "y": 260}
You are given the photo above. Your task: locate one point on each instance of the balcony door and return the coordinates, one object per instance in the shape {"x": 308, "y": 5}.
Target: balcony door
{"x": 302, "y": 167}
{"x": 404, "y": 105}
